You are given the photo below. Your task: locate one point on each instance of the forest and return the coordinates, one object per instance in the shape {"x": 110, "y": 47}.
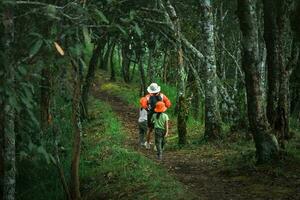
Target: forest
{"x": 149, "y": 99}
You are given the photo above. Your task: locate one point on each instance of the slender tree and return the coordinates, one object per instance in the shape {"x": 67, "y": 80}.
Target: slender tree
{"x": 182, "y": 76}
{"x": 110, "y": 62}
{"x": 77, "y": 129}
{"x": 151, "y": 47}
{"x": 212, "y": 114}
{"x": 90, "y": 78}
{"x": 126, "y": 61}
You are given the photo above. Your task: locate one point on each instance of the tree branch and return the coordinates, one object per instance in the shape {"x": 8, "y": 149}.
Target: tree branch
{"x": 187, "y": 44}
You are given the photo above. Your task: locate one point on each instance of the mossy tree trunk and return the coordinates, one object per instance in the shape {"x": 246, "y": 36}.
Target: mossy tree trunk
{"x": 212, "y": 113}
{"x": 196, "y": 96}
{"x": 276, "y": 20}
{"x": 266, "y": 143}
{"x": 126, "y": 62}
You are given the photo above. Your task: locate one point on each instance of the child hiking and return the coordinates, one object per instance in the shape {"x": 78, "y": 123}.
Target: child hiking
{"x": 161, "y": 127}
{"x": 149, "y": 102}
{"x": 143, "y": 124}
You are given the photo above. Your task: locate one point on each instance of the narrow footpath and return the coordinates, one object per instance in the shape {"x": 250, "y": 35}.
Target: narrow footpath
{"x": 199, "y": 171}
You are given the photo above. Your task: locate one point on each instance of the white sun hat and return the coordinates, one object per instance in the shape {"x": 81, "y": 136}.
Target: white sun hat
{"x": 153, "y": 88}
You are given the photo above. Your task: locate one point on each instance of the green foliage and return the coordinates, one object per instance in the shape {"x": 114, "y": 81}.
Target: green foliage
{"x": 38, "y": 180}
{"x": 36, "y": 47}
{"x": 101, "y": 16}
{"x": 37, "y": 174}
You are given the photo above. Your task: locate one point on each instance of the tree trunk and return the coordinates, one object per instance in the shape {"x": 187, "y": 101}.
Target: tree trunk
{"x": 196, "y": 97}
{"x": 276, "y": 30}
{"x": 125, "y": 62}
{"x": 143, "y": 77}
{"x": 165, "y": 67}
{"x": 266, "y": 144}
{"x": 182, "y": 76}
{"x": 151, "y": 48}
{"x": 196, "y": 88}
{"x": 132, "y": 72}
{"x": 212, "y": 114}
{"x": 111, "y": 62}
{"x": 77, "y": 129}
{"x": 150, "y": 67}
{"x": 283, "y": 111}
{"x": 295, "y": 89}
{"x": 89, "y": 79}
{"x": 295, "y": 75}
{"x": 106, "y": 58}
{"x": 45, "y": 97}
{"x": 271, "y": 40}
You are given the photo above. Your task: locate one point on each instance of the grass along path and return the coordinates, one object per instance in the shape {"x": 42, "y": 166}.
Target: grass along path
{"x": 209, "y": 171}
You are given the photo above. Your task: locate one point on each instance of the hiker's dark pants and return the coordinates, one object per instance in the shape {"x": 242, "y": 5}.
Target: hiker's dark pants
{"x": 149, "y": 117}
{"x": 143, "y": 127}
{"x": 159, "y": 140}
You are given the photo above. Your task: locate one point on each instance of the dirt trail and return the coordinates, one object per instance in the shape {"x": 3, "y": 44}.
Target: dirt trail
{"x": 201, "y": 173}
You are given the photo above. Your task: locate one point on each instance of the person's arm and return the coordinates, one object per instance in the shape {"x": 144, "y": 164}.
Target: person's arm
{"x": 144, "y": 102}
{"x": 167, "y": 101}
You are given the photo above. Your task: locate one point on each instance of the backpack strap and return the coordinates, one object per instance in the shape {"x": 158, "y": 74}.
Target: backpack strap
{"x": 162, "y": 96}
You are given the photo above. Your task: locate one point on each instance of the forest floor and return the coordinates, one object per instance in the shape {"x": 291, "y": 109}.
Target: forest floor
{"x": 204, "y": 170}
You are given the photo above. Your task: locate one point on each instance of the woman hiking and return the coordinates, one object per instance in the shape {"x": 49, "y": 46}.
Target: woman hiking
{"x": 161, "y": 127}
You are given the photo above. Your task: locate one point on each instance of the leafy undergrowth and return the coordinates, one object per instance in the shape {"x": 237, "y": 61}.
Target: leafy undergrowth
{"x": 114, "y": 172}
{"x": 37, "y": 177}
